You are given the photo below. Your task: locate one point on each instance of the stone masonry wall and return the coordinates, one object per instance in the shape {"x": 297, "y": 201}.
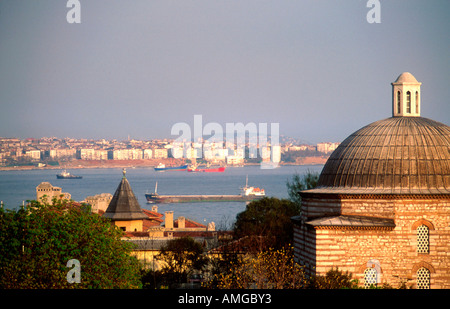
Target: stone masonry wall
{"x": 393, "y": 252}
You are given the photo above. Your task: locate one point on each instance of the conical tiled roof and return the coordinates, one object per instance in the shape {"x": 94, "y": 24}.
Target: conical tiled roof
{"x": 124, "y": 205}
{"x": 398, "y": 155}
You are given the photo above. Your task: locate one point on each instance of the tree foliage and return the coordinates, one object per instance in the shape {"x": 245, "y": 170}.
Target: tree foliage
{"x": 181, "y": 257}
{"x": 269, "y": 217}
{"x": 271, "y": 269}
{"x": 298, "y": 184}
{"x": 37, "y": 241}
{"x": 334, "y": 279}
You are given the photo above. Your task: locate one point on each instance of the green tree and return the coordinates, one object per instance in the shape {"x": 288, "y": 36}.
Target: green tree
{"x": 37, "y": 241}
{"x": 182, "y": 256}
{"x": 298, "y": 184}
{"x": 271, "y": 269}
{"x": 269, "y": 217}
{"x": 334, "y": 279}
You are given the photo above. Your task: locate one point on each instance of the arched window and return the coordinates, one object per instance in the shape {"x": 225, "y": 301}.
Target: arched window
{"x": 370, "y": 277}
{"x": 417, "y": 102}
{"x": 408, "y": 102}
{"x": 423, "y": 239}
{"x": 423, "y": 278}
{"x": 399, "y": 102}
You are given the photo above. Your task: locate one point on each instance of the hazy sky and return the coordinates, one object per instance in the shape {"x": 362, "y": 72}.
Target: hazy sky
{"x": 316, "y": 67}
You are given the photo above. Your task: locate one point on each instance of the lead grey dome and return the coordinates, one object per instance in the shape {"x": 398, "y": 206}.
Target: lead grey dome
{"x": 397, "y": 155}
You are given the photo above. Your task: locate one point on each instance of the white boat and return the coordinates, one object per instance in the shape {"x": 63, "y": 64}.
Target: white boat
{"x": 252, "y": 191}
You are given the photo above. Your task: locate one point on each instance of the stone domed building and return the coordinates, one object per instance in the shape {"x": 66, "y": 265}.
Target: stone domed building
{"x": 381, "y": 210}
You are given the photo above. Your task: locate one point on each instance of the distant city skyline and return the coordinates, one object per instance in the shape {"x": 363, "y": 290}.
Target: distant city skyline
{"x": 317, "y": 68}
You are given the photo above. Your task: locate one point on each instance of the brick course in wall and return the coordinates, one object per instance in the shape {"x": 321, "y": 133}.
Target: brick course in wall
{"x": 393, "y": 251}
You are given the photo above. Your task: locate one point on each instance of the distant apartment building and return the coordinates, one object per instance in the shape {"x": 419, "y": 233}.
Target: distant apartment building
{"x": 160, "y": 153}
{"x": 327, "y": 147}
{"x": 301, "y": 148}
{"x": 218, "y": 154}
{"x": 235, "y": 160}
{"x": 276, "y": 153}
{"x": 33, "y": 154}
{"x": 3, "y": 156}
{"x": 265, "y": 153}
{"x": 272, "y": 154}
{"x": 92, "y": 154}
{"x": 148, "y": 154}
{"x": 127, "y": 154}
{"x": 62, "y": 153}
{"x": 177, "y": 151}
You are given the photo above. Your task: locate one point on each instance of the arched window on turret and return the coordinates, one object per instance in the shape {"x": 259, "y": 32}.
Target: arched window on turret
{"x": 417, "y": 102}
{"x": 398, "y": 102}
{"x": 408, "y": 102}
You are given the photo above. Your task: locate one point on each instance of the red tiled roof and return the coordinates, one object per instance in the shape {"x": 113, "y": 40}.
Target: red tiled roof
{"x": 135, "y": 234}
{"x": 152, "y": 214}
{"x": 147, "y": 223}
{"x": 189, "y": 224}
{"x": 191, "y": 233}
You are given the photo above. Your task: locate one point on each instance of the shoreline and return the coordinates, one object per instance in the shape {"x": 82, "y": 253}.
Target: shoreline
{"x": 144, "y": 163}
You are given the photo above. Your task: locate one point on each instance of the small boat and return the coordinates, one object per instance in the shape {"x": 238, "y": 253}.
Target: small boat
{"x": 162, "y": 167}
{"x": 66, "y": 175}
{"x": 252, "y": 191}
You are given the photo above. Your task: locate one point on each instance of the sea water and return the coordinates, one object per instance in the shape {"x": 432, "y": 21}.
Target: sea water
{"x": 16, "y": 187}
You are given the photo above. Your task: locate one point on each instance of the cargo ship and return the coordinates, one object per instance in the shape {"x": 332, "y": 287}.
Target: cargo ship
{"x": 247, "y": 194}
{"x": 162, "y": 167}
{"x": 207, "y": 170}
{"x": 66, "y": 175}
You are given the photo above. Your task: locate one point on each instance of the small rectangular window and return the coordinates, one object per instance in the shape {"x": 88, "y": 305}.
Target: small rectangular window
{"x": 423, "y": 239}
{"x": 408, "y": 102}
{"x": 417, "y": 102}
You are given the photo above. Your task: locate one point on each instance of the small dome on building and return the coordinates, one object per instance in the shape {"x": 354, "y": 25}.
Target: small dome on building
{"x": 406, "y": 77}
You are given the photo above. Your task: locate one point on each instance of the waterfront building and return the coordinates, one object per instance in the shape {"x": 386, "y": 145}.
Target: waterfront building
{"x": 160, "y": 153}
{"x": 59, "y": 153}
{"x": 46, "y": 192}
{"x": 235, "y": 160}
{"x": 92, "y": 154}
{"x": 327, "y": 147}
{"x": 381, "y": 209}
{"x": 99, "y": 202}
{"x": 127, "y": 154}
{"x": 147, "y": 154}
{"x": 33, "y": 154}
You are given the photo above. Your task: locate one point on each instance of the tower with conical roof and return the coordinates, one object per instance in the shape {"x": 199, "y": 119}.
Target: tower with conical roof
{"x": 124, "y": 209}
